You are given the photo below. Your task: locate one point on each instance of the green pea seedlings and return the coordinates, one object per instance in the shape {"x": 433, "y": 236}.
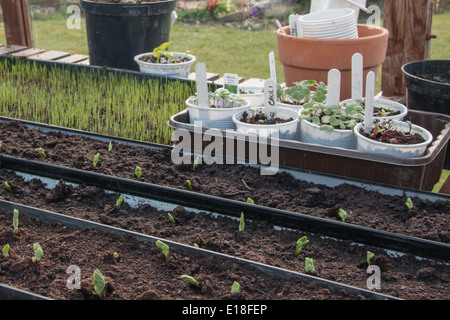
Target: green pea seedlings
{"x": 235, "y": 287}
{"x": 190, "y": 280}
{"x": 119, "y": 201}
{"x": 189, "y": 184}
{"x": 116, "y": 256}
{"x": 342, "y": 214}
{"x": 241, "y": 222}
{"x": 409, "y": 204}
{"x": 171, "y": 218}
{"x": 96, "y": 158}
{"x": 250, "y": 200}
{"x": 38, "y": 252}
{"x": 5, "y": 251}
{"x": 370, "y": 255}
{"x": 99, "y": 283}
{"x": 309, "y": 265}
{"x": 42, "y": 152}
{"x": 16, "y": 221}
{"x": 299, "y": 245}
{"x": 8, "y": 187}
{"x": 138, "y": 172}
{"x": 164, "y": 247}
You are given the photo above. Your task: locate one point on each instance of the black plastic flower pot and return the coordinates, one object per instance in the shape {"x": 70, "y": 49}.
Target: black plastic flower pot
{"x": 117, "y": 32}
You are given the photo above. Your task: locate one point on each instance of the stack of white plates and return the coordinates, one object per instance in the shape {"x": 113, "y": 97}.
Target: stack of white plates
{"x": 329, "y": 24}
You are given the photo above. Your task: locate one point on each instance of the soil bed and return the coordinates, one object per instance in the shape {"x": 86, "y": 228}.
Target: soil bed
{"x": 428, "y": 220}
{"x": 404, "y": 276}
{"x": 262, "y": 118}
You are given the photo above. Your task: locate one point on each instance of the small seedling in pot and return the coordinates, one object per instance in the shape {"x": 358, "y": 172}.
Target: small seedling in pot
{"x": 299, "y": 245}
{"x": 171, "y": 218}
{"x": 241, "y": 222}
{"x": 189, "y": 184}
{"x": 38, "y": 252}
{"x": 190, "y": 280}
{"x": 119, "y": 201}
{"x": 235, "y": 287}
{"x": 42, "y": 152}
{"x": 96, "y": 158}
{"x": 409, "y": 203}
{"x": 99, "y": 283}
{"x": 5, "y": 251}
{"x": 342, "y": 214}
{"x": 8, "y": 187}
{"x": 164, "y": 247}
{"x": 309, "y": 265}
{"x": 16, "y": 221}
{"x": 370, "y": 255}
{"x": 138, "y": 172}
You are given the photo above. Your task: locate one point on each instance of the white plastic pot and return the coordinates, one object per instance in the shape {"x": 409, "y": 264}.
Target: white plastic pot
{"x": 254, "y": 95}
{"x": 396, "y": 150}
{"x": 172, "y": 70}
{"x": 220, "y": 118}
{"x": 388, "y": 104}
{"x": 311, "y": 133}
{"x": 287, "y": 130}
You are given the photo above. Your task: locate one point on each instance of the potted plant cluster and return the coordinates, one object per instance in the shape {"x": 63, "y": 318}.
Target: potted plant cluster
{"x": 382, "y": 108}
{"x": 301, "y": 94}
{"x": 162, "y": 62}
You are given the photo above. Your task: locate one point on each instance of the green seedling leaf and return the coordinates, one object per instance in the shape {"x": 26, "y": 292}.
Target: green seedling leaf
{"x": 171, "y": 218}
{"x": 409, "y": 203}
{"x": 342, "y": 214}
{"x": 99, "y": 282}
{"x": 370, "y": 255}
{"x": 196, "y": 245}
{"x": 299, "y": 245}
{"x": 235, "y": 287}
{"x": 249, "y": 200}
{"x": 138, "y": 172}
{"x": 42, "y": 152}
{"x": 16, "y": 221}
{"x": 119, "y": 201}
{"x": 309, "y": 265}
{"x": 164, "y": 247}
{"x": 5, "y": 251}
{"x": 110, "y": 146}
{"x": 241, "y": 222}
{"x": 190, "y": 280}
{"x": 189, "y": 185}
{"x": 116, "y": 256}
{"x": 96, "y": 158}
{"x": 8, "y": 187}
{"x": 38, "y": 252}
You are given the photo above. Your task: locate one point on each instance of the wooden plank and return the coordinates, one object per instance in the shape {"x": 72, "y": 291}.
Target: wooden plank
{"x": 254, "y": 82}
{"x": 408, "y": 24}
{"x": 75, "y": 58}
{"x": 27, "y": 53}
{"x": 17, "y": 21}
{"x": 50, "y": 55}
{"x": 11, "y": 48}
{"x": 209, "y": 76}
{"x": 84, "y": 62}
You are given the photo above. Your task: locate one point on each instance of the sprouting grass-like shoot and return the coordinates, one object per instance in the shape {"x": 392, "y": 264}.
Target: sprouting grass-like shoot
{"x": 138, "y": 172}
{"x": 299, "y": 245}
{"x": 99, "y": 283}
{"x": 171, "y": 218}
{"x": 5, "y": 251}
{"x": 189, "y": 184}
{"x": 241, "y": 222}
{"x": 119, "y": 201}
{"x": 190, "y": 280}
{"x": 342, "y": 214}
{"x": 7, "y": 186}
{"x": 38, "y": 252}
{"x": 110, "y": 146}
{"x": 16, "y": 221}
{"x": 409, "y": 203}
{"x": 250, "y": 200}
{"x": 309, "y": 265}
{"x": 370, "y": 255}
{"x": 42, "y": 152}
{"x": 164, "y": 247}
{"x": 96, "y": 158}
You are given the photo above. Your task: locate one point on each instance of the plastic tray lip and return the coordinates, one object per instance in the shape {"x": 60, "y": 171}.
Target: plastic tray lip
{"x": 20, "y": 293}
{"x": 74, "y": 222}
{"x": 436, "y": 146}
{"x": 369, "y": 236}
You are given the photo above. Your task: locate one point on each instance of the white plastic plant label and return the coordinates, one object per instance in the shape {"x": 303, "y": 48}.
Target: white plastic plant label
{"x": 273, "y": 73}
{"x": 231, "y": 82}
{"x": 202, "y": 85}
{"x": 370, "y": 92}
{"x": 357, "y": 76}
{"x": 334, "y": 87}
{"x": 293, "y": 20}
{"x": 270, "y": 96}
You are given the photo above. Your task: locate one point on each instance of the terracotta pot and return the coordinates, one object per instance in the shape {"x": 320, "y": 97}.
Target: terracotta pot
{"x": 311, "y": 59}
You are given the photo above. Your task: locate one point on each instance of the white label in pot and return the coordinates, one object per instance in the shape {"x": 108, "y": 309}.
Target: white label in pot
{"x": 231, "y": 82}
{"x": 270, "y": 96}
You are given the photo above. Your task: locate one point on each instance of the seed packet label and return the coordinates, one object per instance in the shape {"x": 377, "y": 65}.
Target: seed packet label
{"x": 273, "y": 73}
{"x": 357, "y": 76}
{"x": 293, "y": 19}
{"x": 270, "y": 97}
{"x": 202, "y": 85}
{"x": 334, "y": 87}
{"x": 231, "y": 82}
{"x": 370, "y": 92}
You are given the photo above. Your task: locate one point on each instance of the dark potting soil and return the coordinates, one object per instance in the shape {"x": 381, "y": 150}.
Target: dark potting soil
{"x": 445, "y": 79}
{"x": 262, "y": 118}
{"x": 403, "y": 276}
{"x": 395, "y": 137}
{"x": 163, "y": 59}
{"x": 428, "y": 220}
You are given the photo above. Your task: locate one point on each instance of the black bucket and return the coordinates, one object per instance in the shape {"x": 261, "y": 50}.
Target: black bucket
{"x": 428, "y": 85}
{"x": 117, "y": 32}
